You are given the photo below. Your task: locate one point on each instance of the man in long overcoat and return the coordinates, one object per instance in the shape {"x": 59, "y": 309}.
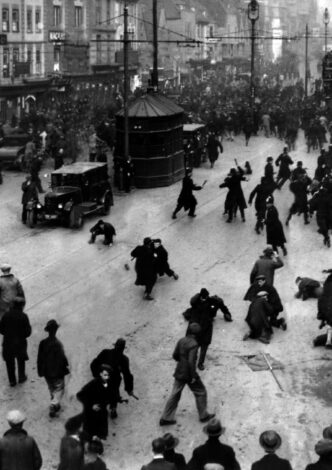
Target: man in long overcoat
{"x": 274, "y": 231}
{"x": 321, "y": 202}
{"x": 299, "y": 188}
{"x": 213, "y": 145}
{"x": 234, "y": 198}
{"x": 18, "y": 450}
{"x": 30, "y": 192}
{"x": 145, "y": 266}
{"x": 284, "y": 160}
{"x": 261, "y": 192}
{"x": 186, "y": 199}
{"x": 162, "y": 264}
{"x": 15, "y": 328}
{"x": 95, "y": 397}
{"x": 258, "y": 318}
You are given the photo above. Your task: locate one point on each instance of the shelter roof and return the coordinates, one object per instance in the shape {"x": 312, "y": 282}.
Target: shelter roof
{"x": 152, "y": 105}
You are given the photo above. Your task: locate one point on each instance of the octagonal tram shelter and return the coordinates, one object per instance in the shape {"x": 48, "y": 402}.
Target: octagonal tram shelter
{"x": 155, "y": 130}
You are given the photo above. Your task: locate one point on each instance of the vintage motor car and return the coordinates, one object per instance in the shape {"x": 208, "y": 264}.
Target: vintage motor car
{"x": 12, "y": 149}
{"x": 78, "y": 190}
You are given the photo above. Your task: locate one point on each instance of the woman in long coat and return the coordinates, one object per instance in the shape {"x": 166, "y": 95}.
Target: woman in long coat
{"x": 274, "y": 231}
{"x": 95, "y": 396}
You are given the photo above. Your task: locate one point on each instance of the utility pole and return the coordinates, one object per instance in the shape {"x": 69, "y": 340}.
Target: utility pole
{"x": 306, "y": 73}
{"x": 125, "y": 80}
{"x": 154, "y": 75}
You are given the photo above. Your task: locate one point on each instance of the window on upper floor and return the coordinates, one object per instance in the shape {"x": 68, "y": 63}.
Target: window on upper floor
{"x": 38, "y": 61}
{"x": 15, "y": 20}
{"x": 57, "y": 15}
{"x": 5, "y": 19}
{"x": 16, "y": 54}
{"x": 78, "y": 16}
{"x": 98, "y": 12}
{"x": 108, "y": 10}
{"x": 5, "y": 63}
{"x": 98, "y": 45}
{"x": 38, "y": 22}
{"x": 29, "y": 56}
{"x": 29, "y": 20}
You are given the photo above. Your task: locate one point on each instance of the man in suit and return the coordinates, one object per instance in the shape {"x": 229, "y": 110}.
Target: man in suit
{"x": 158, "y": 462}
{"x": 213, "y": 451}
{"x": 72, "y": 445}
{"x": 271, "y": 441}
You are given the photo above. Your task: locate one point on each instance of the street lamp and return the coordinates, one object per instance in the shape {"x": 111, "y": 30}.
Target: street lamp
{"x": 126, "y": 42}
{"x": 326, "y": 20}
{"x": 253, "y": 15}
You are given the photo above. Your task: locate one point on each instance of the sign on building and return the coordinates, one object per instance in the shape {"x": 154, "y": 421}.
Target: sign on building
{"x": 57, "y": 36}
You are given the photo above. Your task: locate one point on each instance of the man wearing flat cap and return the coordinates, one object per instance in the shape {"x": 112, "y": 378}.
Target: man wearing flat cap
{"x": 10, "y": 289}
{"x": 18, "y": 450}
{"x": 213, "y": 451}
{"x": 185, "y": 354}
{"x": 271, "y": 441}
{"x": 266, "y": 265}
{"x": 52, "y": 364}
{"x": 119, "y": 364}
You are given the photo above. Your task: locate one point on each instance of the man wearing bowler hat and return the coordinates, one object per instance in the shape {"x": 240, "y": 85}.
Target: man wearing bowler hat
{"x": 18, "y": 450}
{"x": 213, "y": 451}
{"x": 271, "y": 441}
{"x": 52, "y": 364}
{"x": 185, "y": 354}
{"x": 169, "y": 453}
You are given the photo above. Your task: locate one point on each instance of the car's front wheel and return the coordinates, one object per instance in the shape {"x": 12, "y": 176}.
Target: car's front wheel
{"x": 76, "y": 218}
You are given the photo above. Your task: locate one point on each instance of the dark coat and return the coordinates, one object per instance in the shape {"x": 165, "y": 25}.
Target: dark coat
{"x": 178, "y": 459}
{"x": 98, "y": 464}
{"x": 213, "y": 451}
{"x": 235, "y": 197}
{"x": 186, "y": 197}
{"x": 271, "y": 462}
{"x": 159, "y": 464}
{"x": 323, "y": 463}
{"x": 325, "y": 301}
{"x": 51, "y": 359}
{"x": 18, "y": 451}
{"x": 212, "y": 146}
{"x": 30, "y": 191}
{"x": 274, "y": 232}
{"x": 300, "y": 190}
{"x": 258, "y": 316}
{"x": 269, "y": 171}
{"x": 185, "y": 354}
{"x": 265, "y": 266}
{"x": 71, "y": 454}
{"x": 273, "y": 296}
{"x": 145, "y": 265}
{"x": 15, "y": 328}
{"x": 284, "y": 161}
{"x": 203, "y": 314}
{"x": 162, "y": 260}
{"x": 119, "y": 364}
{"x": 108, "y": 230}
{"x": 95, "y": 423}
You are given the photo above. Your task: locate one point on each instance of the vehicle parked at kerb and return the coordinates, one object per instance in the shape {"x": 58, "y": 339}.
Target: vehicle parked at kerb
{"x": 78, "y": 190}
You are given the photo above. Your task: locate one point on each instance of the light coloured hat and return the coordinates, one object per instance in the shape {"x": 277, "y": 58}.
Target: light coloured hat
{"x": 5, "y": 267}
{"x": 15, "y": 417}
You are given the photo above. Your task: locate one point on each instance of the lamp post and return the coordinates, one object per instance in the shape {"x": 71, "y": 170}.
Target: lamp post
{"x": 326, "y": 20}
{"x": 126, "y": 42}
{"x": 253, "y": 15}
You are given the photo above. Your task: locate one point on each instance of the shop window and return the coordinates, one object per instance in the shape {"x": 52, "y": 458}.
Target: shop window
{"x": 15, "y": 20}
{"x": 5, "y": 19}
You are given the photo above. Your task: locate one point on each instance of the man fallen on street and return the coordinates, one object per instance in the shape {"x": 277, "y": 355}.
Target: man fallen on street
{"x": 103, "y": 228}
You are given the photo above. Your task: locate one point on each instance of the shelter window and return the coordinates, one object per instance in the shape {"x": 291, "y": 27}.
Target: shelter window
{"x": 5, "y": 19}
{"x": 15, "y": 20}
